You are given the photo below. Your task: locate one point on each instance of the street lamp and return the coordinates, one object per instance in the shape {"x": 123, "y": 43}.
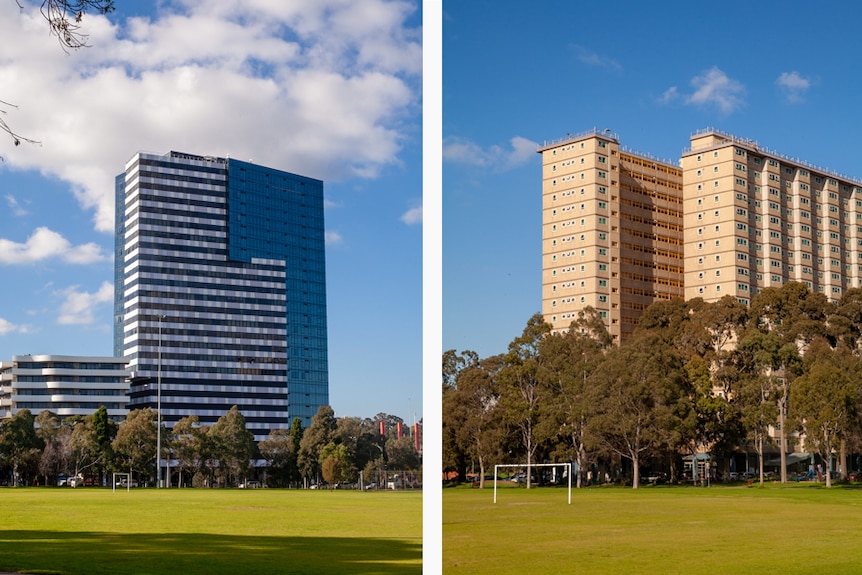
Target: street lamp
{"x": 159, "y": 410}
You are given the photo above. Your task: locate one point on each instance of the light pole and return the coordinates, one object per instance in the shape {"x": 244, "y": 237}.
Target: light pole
{"x": 159, "y": 410}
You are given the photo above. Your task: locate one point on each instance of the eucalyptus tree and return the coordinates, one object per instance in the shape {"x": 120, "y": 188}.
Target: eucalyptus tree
{"x": 314, "y": 439}
{"x": 233, "y": 445}
{"x": 135, "y": 443}
{"x": 402, "y": 454}
{"x": 795, "y": 314}
{"x": 54, "y": 457}
{"x": 710, "y": 422}
{"x": 844, "y": 325}
{"x": 791, "y": 317}
{"x": 472, "y": 429}
{"x": 361, "y": 438}
{"x": 636, "y": 392}
{"x": 276, "y": 450}
{"x": 191, "y": 448}
{"x": 823, "y": 400}
{"x": 20, "y": 445}
{"x": 520, "y": 393}
{"x": 569, "y": 359}
{"x": 758, "y": 410}
{"x": 455, "y": 448}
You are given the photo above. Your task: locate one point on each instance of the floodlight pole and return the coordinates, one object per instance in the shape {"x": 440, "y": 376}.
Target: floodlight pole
{"x": 159, "y": 410}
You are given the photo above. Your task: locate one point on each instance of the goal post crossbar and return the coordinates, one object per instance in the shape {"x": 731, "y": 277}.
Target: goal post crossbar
{"x": 128, "y": 477}
{"x": 529, "y": 466}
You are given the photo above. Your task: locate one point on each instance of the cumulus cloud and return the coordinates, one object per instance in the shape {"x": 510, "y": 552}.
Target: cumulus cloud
{"x": 322, "y": 88}
{"x": 463, "y": 151}
{"x": 712, "y": 88}
{"x": 793, "y": 85}
{"x": 79, "y": 307}
{"x": 7, "y": 327}
{"x": 44, "y": 244}
{"x": 717, "y": 88}
{"x": 412, "y": 216}
{"x": 332, "y": 238}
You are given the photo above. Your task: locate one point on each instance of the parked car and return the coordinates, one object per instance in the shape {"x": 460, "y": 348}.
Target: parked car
{"x": 656, "y": 478}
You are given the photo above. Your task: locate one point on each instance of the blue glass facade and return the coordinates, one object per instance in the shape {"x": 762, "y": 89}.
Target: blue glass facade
{"x": 223, "y": 290}
{"x": 277, "y": 215}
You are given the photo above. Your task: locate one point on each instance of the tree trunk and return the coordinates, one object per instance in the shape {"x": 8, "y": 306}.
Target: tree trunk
{"x": 582, "y": 457}
{"x": 636, "y": 470}
{"x": 782, "y": 406}
{"x": 760, "y": 456}
{"x": 842, "y": 461}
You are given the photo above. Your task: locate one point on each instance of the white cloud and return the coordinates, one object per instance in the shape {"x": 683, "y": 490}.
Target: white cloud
{"x": 79, "y": 308}
{"x": 321, "y": 88}
{"x": 590, "y": 58}
{"x": 793, "y": 85}
{"x": 715, "y": 87}
{"x": 15, "y": 206}
{"x": 669, "y": 95}
{"x": 412, "y": 216}
{"x": 44, "y": 244}
{"x": 332, "y": 238}
{"x": 7, "y": 327}
{"x": 463, "y": 151}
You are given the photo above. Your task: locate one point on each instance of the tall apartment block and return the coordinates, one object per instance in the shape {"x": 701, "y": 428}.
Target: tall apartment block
{"x": 621, "y": 230}
{"x": 220, "y": 290}
{"x": 612, "y": 231}
{"x": 755, "y": 218}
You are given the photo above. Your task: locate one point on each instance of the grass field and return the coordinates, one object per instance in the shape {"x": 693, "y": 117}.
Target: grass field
{"x": 209, "y": 531}
{"x": 798, "y": 529}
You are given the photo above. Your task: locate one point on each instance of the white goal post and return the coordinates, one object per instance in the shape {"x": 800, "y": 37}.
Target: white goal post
{"x": 128, "y": 477}
{"x": 531, "y": 465}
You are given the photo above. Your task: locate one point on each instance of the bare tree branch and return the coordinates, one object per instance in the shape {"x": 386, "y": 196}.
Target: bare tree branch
{"x": 16, "y": 138}
{"x": 64, "y": 21}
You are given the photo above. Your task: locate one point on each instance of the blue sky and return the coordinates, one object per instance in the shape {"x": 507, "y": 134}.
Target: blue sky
{"x": 329, "y": 89}
{"x": 516, "y": 74}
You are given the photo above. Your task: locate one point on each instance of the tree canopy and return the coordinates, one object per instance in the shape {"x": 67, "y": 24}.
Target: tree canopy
{"x": 721, "y": 378}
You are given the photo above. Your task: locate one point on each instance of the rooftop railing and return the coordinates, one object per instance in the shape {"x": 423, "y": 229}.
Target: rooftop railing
{"x": 752, "y": 144}
{"x": 578, "y": 135}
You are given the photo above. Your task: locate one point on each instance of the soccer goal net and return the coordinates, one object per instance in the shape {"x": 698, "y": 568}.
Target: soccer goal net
{"x": 566, "y": 474}
{"x": 123, "y": 480}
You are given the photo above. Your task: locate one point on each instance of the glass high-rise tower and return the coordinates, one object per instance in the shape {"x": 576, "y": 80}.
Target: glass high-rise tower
{"x": 220, "y": 289}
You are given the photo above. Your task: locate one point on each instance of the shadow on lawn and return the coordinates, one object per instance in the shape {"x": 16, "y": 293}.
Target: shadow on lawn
{"x": 72, "y": 553}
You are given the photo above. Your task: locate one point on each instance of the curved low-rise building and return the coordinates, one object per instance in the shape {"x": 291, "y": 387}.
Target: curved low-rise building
{"x": 64, "y": 384}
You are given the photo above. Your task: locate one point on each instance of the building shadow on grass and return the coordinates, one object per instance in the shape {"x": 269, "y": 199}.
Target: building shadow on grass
{"x": 91, "y": 553}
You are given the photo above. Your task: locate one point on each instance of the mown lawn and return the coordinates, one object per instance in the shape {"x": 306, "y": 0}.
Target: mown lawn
{"x": 209, "y": 531}
{"x": 795, "y": 529}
